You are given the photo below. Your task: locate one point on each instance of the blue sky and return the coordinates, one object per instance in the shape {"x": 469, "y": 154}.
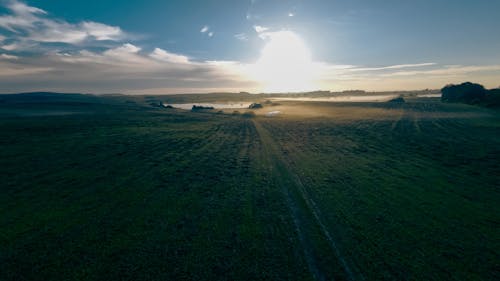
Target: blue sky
{"x": 197, "y": 46}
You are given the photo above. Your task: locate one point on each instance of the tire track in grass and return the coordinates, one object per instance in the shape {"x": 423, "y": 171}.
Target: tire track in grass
{"x": 294, "y": 209}
{"x": 303, "y": 207}
{"x": 396, "y": 121}
{"x": 416, "y": 121}
{"x": 352, "y": 272}
{"x": 405, "y": 125}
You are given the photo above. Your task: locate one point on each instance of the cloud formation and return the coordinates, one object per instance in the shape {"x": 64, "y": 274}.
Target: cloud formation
{"x": 162, "y": 55}
{"x": 260, "y": 29}
{"x": 204, "y": 29}
{"x": 9, "y": 57}
{"x": 26, "y": 64}
{"x": 399, "y": 66}
{"x": 31, "y": 24}
{"x": 241, "y": 36}
{"x": 40, "y": 52}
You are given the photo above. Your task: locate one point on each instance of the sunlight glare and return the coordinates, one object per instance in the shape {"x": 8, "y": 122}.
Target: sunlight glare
{"x": 285, "y": 64}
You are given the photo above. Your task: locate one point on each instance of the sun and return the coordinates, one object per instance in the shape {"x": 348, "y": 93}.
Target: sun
{"x": 285, "y": 64}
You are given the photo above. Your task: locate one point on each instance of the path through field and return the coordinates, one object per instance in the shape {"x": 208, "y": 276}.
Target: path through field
{"x": 307, "y": 217}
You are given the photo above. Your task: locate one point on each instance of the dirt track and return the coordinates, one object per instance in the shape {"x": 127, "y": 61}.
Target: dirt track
{"x": 307, "y": 217}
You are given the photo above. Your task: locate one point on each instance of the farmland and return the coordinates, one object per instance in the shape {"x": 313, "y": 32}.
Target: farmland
{"x": 112, "y": 188}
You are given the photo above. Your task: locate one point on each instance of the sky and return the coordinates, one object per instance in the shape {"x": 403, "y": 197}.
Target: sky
{"x": 186, "y": 46}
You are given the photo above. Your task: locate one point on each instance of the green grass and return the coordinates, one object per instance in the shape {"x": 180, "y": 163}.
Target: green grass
{"x": 114, "y": 190}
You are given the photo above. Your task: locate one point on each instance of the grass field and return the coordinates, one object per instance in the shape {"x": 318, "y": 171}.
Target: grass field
{"x": 114, "y": 189}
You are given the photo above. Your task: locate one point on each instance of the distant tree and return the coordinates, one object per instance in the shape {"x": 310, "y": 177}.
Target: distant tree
{"x": 200, "y": 107}
{"x": 492, "y": 98}
{"x": 255, "y": 106}
{"x": 399, "y": 99}
{"x": 359, "y": 92}
{"x": 469, "y": 93}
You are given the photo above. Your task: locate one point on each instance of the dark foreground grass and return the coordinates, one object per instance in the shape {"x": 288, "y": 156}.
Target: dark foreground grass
{"x": 139, "y": 196}
{"x": 413, "y": 197}
{"x": 127, "y": 193}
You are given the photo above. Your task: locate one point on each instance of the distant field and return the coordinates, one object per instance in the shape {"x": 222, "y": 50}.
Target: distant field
{"x": 116, "y": 189}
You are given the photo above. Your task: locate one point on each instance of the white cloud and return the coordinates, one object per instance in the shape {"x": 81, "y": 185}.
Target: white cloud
{"x": 58, "y": 33}
{"x": 451, "y": 70}
{"x": 399, "y": 66}
{"x": 204, "y": 29}
{"x": 23, "y": 16}
{"x": 429, "y": 75}
{"x": 12, "y": 23}
{"x": 118, "y": 68}
{"x": 241, "y": 36}
{"x": 291, "y": 14}
{"x": 23, "y": 9}
{"x": 11, "y": 47}
{"x": 260, "y": 29}
{"x": 31, "y": 23}
{"x": 126, "y": 53}
{"x": 8, "y": 57}
{"x": 128, "y": 48}
{"x": 124, "y": 69}
{"x": 52, "y": 31}
{"x": 102, "y": 31}
{"x": 162, "y": 55}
